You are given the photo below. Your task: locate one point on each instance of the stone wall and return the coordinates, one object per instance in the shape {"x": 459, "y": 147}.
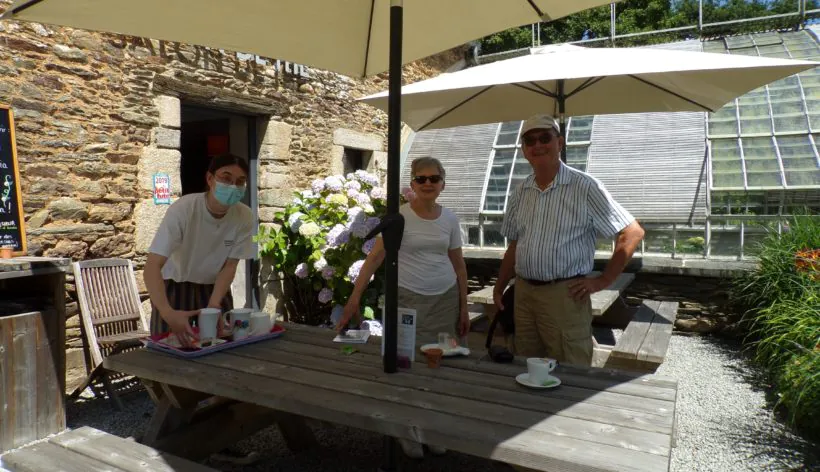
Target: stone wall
{"x": 703, "y": 301}
{"x": 97, "y": 114}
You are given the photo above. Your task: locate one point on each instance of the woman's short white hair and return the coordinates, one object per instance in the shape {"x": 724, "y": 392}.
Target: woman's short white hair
{"x": 427, "y": 161}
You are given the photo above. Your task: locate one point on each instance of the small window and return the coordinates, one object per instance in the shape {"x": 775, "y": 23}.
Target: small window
{"x": 355, "y": 159}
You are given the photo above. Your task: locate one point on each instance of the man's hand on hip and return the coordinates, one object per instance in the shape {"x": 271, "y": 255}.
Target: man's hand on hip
{"x": 580, "y": 288}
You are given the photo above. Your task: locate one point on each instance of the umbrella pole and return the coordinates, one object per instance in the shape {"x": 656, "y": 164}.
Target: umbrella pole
{"x": 391, "y": 258}
{"x": 562, "y": 118}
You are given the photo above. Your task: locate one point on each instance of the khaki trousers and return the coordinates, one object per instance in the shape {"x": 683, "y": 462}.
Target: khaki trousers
{"x": 434, "y": 313}
{"x": 548, "y": 322}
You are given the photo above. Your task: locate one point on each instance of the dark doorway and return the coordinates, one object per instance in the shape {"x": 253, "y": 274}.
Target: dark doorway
{"x": 200, "y": 141}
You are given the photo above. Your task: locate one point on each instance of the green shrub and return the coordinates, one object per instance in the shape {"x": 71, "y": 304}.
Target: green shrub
{"x": 780, "y": 302}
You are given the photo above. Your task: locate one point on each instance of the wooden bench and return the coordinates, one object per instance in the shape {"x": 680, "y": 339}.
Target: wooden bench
{"x": 601, "y": 301}
{"x": 643, "y": 345}
{"x": 87, "y": 449}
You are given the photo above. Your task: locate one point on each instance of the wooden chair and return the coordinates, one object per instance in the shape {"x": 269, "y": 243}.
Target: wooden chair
{"x": 112, "y": 319}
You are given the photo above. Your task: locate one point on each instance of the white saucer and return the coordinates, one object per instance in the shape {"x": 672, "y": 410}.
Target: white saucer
{"x": 524, "y": 379}
{"x": 456, "y": 351}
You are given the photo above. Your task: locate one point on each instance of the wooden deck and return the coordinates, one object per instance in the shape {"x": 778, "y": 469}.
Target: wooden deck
{"x": 597, "y": 420}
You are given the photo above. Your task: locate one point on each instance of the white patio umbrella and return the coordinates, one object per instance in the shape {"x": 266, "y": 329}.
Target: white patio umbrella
{"x": 352, "y": 37}
{"x": 568, "y": 80}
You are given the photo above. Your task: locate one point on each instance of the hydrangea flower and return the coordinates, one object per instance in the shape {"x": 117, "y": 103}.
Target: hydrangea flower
{"x": 359, "y": 229}
{"x": 309, "y": 229}
{"x": 325, "y": 295}
{"x": 353, "y": 271}
{"x": 368, "y": 208}
{"x": 337, "y": 199}
{"x": 378, "y": 193}
{"x": 353, "y": 193}
{"x": 353, "y": 185}
{"x": 317, "y": 185}
{"x": 307, "y": 194}
{"x": 355, "y": 215}
{"x": 372, "y": 222}
{"x": 301, "y": 270}
{"x": 334, "y": 183}
{"x": 362, "y": 199}
{"x": 295, "y": 217}
{"x": 367, "y": 178}
{"x": 408, "y": 194}
{"x": 328, "y": 272}
{"x": 337, "y": 236}
{"x": 368, "y": 245}
{"x": 320, "y": 264}
{"x": 297, "y": 201}
{"x": 350, "y": 176}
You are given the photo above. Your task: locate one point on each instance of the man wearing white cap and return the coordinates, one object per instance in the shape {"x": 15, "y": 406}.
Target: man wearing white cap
{"x": 551, "y": 223}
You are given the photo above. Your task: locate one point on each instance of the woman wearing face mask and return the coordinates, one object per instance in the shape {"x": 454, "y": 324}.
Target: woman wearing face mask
{"x": 193, "y": 257}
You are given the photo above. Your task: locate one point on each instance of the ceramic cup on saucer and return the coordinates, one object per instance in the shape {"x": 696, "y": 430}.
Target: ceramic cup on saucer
{"x": 207, "y": 321}
{"x": 539, "y": 368}
{"x": 239, "y": 321}
{"x": 260, "y": 323}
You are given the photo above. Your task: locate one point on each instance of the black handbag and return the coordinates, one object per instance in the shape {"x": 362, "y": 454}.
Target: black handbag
{"x": 506, "y": 317}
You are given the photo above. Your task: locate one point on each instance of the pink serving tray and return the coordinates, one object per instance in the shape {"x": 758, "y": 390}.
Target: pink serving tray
{"x": 156, "y": 343}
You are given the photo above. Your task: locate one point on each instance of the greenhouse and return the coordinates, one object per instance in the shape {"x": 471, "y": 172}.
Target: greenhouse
{"x": 703, "y": 185}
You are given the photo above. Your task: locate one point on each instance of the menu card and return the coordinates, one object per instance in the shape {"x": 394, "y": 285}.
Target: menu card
{"x": 405, "y": 337}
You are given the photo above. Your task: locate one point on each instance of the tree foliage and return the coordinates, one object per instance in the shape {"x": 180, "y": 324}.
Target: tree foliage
{"x": 635, "y": 16}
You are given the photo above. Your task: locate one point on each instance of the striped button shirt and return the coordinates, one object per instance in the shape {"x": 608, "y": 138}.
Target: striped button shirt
{"x": 556, "y": 228}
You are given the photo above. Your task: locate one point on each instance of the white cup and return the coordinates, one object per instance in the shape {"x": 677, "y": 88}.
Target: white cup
{"x": 260, "y": 323}
{"x": 207, "y": 322}
{"x": 539, "y": 368}
{"x": 239, "y": 321}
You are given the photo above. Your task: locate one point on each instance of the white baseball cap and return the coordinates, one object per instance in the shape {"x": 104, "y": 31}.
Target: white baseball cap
{"x": 540, "y": 122}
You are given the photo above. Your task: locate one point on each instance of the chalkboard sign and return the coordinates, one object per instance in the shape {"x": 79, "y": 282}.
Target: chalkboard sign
{"x": 12, "y": 221}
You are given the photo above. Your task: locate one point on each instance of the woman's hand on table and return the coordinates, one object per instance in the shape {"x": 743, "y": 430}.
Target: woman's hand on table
{"x": 177, "y": 321}
{"x": 352, "y": 310}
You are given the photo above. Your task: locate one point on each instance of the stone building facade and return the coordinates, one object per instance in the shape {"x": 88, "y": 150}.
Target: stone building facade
{"x": 97, "y": 115}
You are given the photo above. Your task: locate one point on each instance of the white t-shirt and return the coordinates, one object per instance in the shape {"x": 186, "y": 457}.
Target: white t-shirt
{"x": 424, "y": 266}
{"x": 196, "y": 244}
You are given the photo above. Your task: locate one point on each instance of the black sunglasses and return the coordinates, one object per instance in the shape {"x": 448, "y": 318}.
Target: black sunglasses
{"x": 434, "y": 179}
{"x": 544, "y": 138}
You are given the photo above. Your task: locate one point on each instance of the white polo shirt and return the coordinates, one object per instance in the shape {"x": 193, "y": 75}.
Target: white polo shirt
{"x": 197, "y": 244}
{"x": 556, "y": 228}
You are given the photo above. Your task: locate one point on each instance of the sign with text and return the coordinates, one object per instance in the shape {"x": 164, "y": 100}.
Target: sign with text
{"x": 12, "y": 219}
{"x": 162, "y": 189}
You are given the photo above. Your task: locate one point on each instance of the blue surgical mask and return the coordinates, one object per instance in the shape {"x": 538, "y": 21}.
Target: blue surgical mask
{"x": 228, "y": 194}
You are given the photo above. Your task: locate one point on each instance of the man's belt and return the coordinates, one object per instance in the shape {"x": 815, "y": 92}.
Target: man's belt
{"x": 550, "y": 282}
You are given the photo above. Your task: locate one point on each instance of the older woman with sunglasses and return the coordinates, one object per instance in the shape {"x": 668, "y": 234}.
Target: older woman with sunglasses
{"x": 432, "y": 272}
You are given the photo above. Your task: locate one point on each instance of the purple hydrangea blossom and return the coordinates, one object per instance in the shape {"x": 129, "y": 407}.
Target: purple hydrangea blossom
{"x": 408, "y": 194}
{"x": 353, "y": 193}
{"x": 292, "y": 219}
{"x": 367, "y": 178}
{"x": 337, "y": 236}
{"x": 301, "y": 270}
{"x": 378, "y": 193}
{"x": 353, "y": 271}
{"x": 362, "y": 199}
{"x": 334, "y": 183}
{"x": 372, "y": 222}
{"x": 368, "y": 245}
{"x": 359, "y": 229}
{"x": 353, "y": 185}
{"x": 355, "y": 215}
{"x": 317, "y": 185}
{"x": 350, "y": 176}
{"x": 328, "y": 272}
{"x": 325, "y": 295}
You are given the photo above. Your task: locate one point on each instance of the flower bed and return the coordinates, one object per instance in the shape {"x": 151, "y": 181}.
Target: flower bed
{"x": 781, "y": 300}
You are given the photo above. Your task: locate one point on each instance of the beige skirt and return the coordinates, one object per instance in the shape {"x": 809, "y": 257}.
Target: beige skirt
{"x": 434, "y": 313}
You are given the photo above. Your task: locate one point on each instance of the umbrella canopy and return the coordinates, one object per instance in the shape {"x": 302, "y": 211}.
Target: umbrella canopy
{"x": 571, "y": 80}
{"x": 345, "y": 36}
{"x": 352, "y": 37}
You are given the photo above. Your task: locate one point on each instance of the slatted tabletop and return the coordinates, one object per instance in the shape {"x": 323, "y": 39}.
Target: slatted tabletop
{"x": 597, "y": 420}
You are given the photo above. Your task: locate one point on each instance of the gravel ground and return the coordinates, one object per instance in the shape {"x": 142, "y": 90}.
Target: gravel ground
{"x": 725, "y": 424}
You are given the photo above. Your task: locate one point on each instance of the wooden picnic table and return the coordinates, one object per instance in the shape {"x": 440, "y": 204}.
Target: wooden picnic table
{"x": 596, "y": 420}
